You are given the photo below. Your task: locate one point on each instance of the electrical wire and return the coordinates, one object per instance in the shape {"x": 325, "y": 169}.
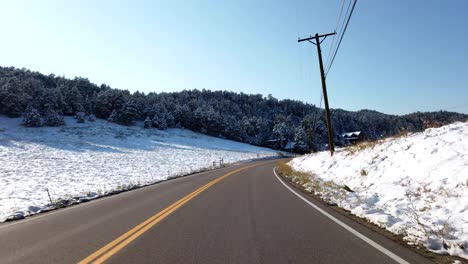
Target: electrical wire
{"x": 336, "y": 28}
{"x": 341, "y": 38}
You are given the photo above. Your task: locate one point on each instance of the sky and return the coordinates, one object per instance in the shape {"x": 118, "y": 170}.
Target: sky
{"x": 396, "y": 57}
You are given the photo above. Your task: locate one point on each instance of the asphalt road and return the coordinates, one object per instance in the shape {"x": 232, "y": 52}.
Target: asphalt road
{"x": 246, "y": 216}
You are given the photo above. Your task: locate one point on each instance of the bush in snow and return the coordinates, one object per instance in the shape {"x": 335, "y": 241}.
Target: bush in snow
{"x": 91, "y": 118}
{"x": 147, "y": 122}
{"x": 32, "y": 117}
{"x": 80, "y": 117}
{"x": 52, "y": 118}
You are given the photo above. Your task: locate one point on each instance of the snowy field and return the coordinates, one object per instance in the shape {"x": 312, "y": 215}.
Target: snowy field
{"x": 416, "y": 185}
{"x": 91, "y": 159}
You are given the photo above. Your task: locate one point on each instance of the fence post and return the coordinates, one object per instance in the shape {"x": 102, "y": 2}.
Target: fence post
{"x": 48, "y": 194}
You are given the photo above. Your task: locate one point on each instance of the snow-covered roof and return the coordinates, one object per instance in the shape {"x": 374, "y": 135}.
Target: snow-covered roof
{"x": 351, "y": 134}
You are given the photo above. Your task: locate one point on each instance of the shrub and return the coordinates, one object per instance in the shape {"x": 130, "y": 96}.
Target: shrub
{"x": 32, "y": 117}
{"x": 91, "y": 118}
{"x": 148, "y": 123}
{"x": 80, "y": 117}
{"x": 52, "y": 118}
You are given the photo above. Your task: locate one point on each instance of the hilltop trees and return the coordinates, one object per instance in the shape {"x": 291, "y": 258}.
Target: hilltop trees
{"x": 250, "y": 118}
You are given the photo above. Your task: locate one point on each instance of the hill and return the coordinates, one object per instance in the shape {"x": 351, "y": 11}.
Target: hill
{"x": 249, "y": 118}
{"x": 82, "y": 161}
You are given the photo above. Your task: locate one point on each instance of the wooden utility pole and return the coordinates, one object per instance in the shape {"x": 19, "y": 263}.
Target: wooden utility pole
{"x": 317, "y": 42}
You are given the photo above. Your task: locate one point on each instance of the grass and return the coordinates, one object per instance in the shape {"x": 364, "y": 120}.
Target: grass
{"x": 297, "y": 177}
{"x": 368, "y": 144}
{"x": 364, "y": 172}
{"x": 329, "y": 191}
{"x": 360, "y": 146}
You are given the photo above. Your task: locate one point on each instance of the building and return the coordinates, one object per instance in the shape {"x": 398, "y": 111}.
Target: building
{"x": 350, "y": 137}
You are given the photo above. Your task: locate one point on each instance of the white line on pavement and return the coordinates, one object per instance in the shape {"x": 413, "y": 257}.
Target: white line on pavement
{"x": 345, "y": 226}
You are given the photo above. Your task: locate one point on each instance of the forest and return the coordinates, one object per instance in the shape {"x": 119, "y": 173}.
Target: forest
{"x": 43, "y": 100}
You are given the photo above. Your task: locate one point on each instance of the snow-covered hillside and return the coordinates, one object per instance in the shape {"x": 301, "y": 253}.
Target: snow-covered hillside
{"x": 90, "y": 159}
{"x": 415, "y": 185}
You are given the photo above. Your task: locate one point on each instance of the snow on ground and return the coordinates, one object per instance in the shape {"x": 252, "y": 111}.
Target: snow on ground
{"x": 94, "y": 158}
{"x": 416, "y": 185}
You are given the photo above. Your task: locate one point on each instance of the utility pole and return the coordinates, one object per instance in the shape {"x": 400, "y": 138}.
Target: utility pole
{"x": 317, "y": 42}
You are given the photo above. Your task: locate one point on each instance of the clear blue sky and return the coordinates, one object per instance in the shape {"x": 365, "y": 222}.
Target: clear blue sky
{"x": 396, "y": 57}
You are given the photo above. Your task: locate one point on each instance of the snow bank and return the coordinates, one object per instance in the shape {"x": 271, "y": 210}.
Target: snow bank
{"x": 415, "y": 185}
{"x": 84, "y": 161}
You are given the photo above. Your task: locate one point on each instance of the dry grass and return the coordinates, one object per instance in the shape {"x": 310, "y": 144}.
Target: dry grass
{"x": 364, "y": 172}
{"x": 327, "y": 190}
{"x": 360, "y": 146}
{"x": 297, "y": 177}
{"x": 400, "y": 134}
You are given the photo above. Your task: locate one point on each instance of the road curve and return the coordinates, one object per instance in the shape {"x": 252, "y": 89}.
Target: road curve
{"x": 238, "y": 214}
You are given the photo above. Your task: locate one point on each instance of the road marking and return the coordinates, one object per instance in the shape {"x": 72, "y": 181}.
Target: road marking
{"x": 345, "y": 226}
{"x": 119, "y": 243}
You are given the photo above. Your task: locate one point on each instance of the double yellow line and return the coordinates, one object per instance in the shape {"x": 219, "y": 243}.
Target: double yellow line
{"x": 119, "y": 243}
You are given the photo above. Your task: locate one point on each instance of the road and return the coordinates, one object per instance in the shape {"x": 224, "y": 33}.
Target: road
{"x": 238, "y": 214}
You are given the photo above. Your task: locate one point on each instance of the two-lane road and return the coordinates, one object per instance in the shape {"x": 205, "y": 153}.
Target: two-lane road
{"x": 238, "y": 214}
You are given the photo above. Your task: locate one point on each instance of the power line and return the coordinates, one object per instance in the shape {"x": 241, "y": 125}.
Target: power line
{"x": 340, "y": 30}
{"x": 332, "y": 45}
{"x": 341, "y": 37}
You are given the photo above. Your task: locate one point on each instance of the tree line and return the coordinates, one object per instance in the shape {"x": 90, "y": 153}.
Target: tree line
{"x": 250, "y": 118}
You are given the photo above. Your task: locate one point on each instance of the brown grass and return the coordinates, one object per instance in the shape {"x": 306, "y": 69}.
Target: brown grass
{"x": 360, "y": 146}
{"x": 311, "y": 183}
{"x": 295, "y": 176}
{"x": 364, "y": 172}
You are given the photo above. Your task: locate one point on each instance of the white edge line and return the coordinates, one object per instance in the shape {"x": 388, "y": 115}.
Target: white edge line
{"x": 345, "y": 226}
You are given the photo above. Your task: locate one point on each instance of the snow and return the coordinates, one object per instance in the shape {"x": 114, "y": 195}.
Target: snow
{"x": 83, "y": 161}
{"x": 415, "y": 185}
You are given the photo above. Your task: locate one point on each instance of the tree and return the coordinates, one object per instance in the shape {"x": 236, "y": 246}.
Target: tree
{"x": 12, "y": 100}
{"x": 32, "y": 117}
{"x": 147, "y": 123}
{"x": 159, "y": 122}
{"x": 53, "y": 118}
{"x": 125, "y": 115}
{"x": 113, "y": 116}
{"x": 91, "y": 118}
{"x": 80, "y": 117}
{"x": 300, "y": 139}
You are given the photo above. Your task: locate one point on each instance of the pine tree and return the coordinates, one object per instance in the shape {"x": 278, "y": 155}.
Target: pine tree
{"x": 159, "y": 122}
{"x": 128, "y": 114}
{"x": 300, "y": 139}
{"x": 113, "y": 116}
{"x": 32, "y": 117}
{"x": 91, "y": 118}
{"x": 80, "y": 117}
{"x": 53, "y": 118}
{"x": 147, "y": 123}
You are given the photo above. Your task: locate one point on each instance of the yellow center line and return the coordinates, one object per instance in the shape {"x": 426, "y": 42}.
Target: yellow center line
{"x": 116, "y": 245}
